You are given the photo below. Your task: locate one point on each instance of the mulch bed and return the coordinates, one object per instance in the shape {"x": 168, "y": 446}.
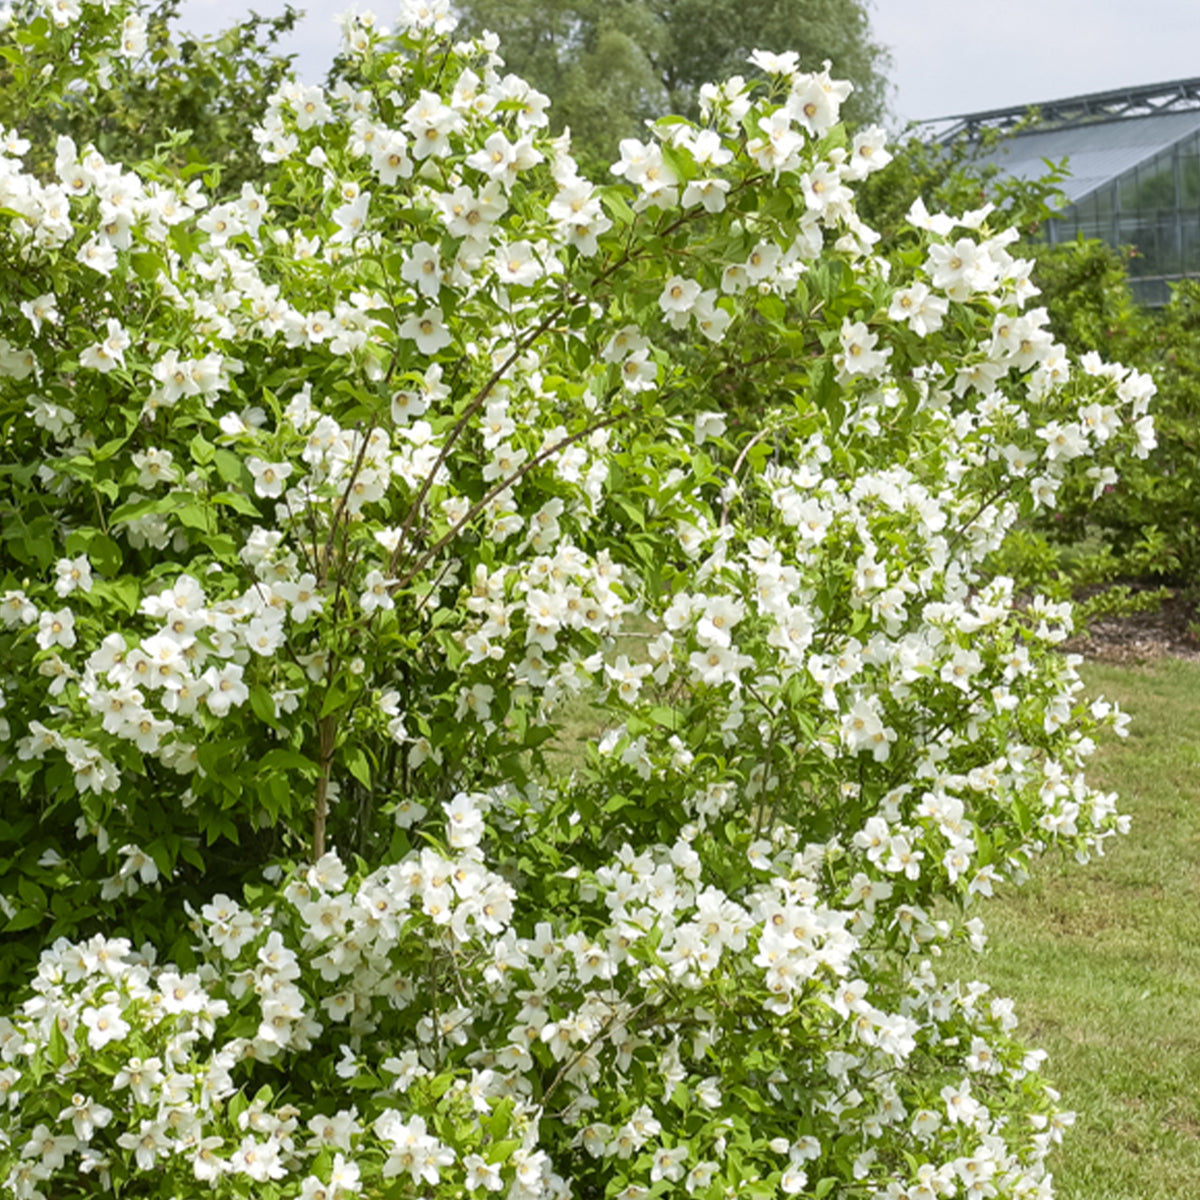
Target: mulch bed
{"x": 1143, "y": 636}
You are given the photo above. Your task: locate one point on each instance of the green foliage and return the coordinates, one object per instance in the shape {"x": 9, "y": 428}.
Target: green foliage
{"x": 1085, "y": 288}
{"x": 947, "y": 177}
{"x": 1150, "y": 520}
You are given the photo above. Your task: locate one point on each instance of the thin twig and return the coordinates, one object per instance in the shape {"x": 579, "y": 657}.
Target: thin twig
{"x": 489, "y": 496}
{"x": 457, "y": 430}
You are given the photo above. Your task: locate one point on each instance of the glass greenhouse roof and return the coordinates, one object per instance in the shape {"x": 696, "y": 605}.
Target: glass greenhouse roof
{"x": 1097, "y": 153}
{"x": 1133, "y": 158}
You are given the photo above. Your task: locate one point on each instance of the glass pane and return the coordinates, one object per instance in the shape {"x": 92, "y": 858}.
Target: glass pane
{"x": 1104, "y": 201}
{"x": 1189, "y": 180}
{"x": 1129, "y": 192}
{"x": 1191, "y": 243}
{"x": 1169, "y": 260}
{"x": 1152, "y": 293}
{"x": 1127, "y": 231}
{"x": 1156, "y": 184}
{"x": 1140, "y": 235}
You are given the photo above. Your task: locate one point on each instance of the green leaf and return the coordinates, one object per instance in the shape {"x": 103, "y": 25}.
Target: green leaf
{"x": 263, "y": 705}
{"x": 142, "y": 508}
{"x": 106, "y": 555}
{"x": 191, "y": 855}
{"x": 27, "y": 918}
{"x": 196, "y": 516}
{"x": 275, "y": 795}
{"x": 614, "y": 200}
{"x": 358, "y": 765}
{"x": 499, "y": 1152}
{"x": 163, "y": 854}
{"x": 280, "y": 759}
{"x": 238, "y": 501}
{"x": 230, "y": 467}
{"x": 201, "y": 449}
{"x": 123, "y": 593}
{"x": 219, "y": 826}
{"x": 57, "y": 1049}
{"x": 109, "y": 448}
{"x": 213, "y": 757}
{"x": 335, "y": 697}
{"x": 237, "y": 1105}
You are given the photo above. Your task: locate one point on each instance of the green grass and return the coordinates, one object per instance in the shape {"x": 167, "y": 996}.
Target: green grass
{"x": 1104, "y": 960}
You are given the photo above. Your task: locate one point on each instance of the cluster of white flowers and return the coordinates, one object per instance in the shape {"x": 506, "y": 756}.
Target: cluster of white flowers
{"x": 335, "y": 948}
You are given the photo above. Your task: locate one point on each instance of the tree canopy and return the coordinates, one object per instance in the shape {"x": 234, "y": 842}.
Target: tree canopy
{"x": 609, "y": 66}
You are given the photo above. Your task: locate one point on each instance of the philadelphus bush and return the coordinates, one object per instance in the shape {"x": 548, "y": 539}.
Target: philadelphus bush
{"x": 504, "y": 689}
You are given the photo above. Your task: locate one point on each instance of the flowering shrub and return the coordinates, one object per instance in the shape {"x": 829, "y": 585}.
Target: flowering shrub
{"x": 327, "y": 508}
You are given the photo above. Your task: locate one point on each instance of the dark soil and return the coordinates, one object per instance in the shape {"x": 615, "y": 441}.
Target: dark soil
{"x": 1164, "y": 633}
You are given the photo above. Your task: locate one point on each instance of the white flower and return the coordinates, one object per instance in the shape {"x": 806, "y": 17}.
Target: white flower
{"x": 105, "y": 355}
{"x": 517, "y": 263}
{"x": 863, "y": 729}
{"x": 920, "y": 307}
{"x": 959, "y": 270}
{"x": 678, "y": 296}
{"x": 149, "y": 1144}
{"x": 105, "y": 1024}
{"x": 793, "y": 1180}
{"x": 867, "y": 153}
{"x": 73, "y": 573}
{"x": 668, "y": 1164}
{"x": 101, "y": 256}
{"x": 639, "y": 372}
{"x": 377, "y": 593}
{"x": 225, "y": 689}
{"x": 423, "y": 269}
{"x": 859, "y": 356}
{"x": 430, "y": 123}
{"x": 43, "y": 308}
{"x": 257, "y": 1160}
{"x": 351, "y": 219}
{"x": 464, "y": 822}
{"x": 86, "y": 1116}
{"x": 482, "y": 1174}
{"x": 427, "y": 329}
{"x": 56, "y": 629}
{"x": 269, "y": 478}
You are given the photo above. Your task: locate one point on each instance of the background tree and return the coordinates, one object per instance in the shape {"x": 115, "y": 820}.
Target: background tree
{"x": 610, "y": 64}
{"x": 187, "y": 103}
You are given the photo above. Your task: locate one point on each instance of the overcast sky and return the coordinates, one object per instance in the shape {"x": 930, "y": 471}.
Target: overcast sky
{"x": 949, "y": 56}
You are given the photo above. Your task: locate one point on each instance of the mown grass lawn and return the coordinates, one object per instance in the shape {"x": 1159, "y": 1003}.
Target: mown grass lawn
{"x": 1104, "y": 960}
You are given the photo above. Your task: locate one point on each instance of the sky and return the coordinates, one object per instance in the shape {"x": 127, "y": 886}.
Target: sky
{"x": 948, "y": 56}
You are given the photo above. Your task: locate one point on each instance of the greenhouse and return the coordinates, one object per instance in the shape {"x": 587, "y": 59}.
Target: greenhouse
{"x": 1134, "y": 158}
